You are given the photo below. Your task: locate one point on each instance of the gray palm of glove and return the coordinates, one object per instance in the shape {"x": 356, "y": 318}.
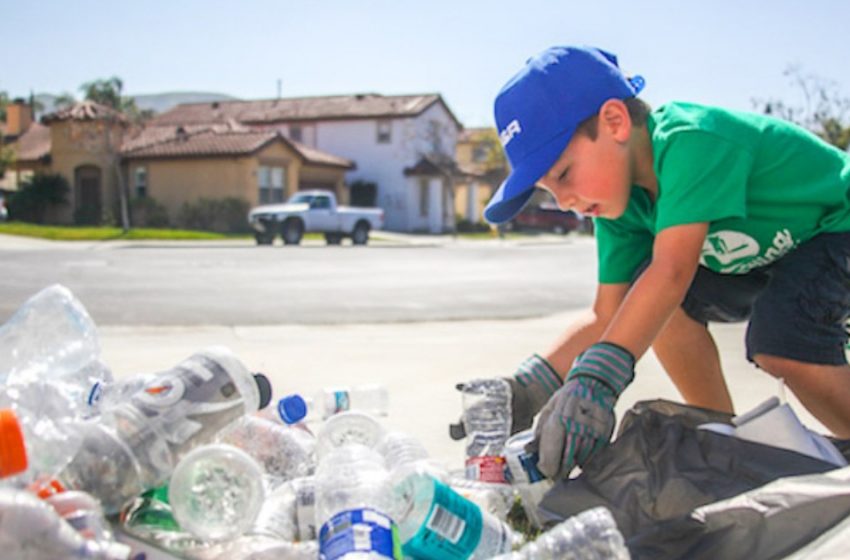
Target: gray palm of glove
{"x": 579, "y": 419}
{"x": 534, "y": 381}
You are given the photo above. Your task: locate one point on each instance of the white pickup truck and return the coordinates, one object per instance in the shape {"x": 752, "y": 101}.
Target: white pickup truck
{"x": 313, "y": 211}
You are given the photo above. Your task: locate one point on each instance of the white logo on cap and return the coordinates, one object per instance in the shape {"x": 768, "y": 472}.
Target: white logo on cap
{"x": 509, "y": 132}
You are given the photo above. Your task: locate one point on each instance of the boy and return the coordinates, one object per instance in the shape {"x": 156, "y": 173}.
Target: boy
{"x": 701, "y": 215}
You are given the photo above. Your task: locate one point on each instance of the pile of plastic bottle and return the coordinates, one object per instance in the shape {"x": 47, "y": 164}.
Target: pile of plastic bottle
{"x": 198, "y": 462}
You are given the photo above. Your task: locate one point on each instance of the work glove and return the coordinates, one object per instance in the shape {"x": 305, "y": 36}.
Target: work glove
{"x": 579, "y": 419}
{"x": 531, "y": 386}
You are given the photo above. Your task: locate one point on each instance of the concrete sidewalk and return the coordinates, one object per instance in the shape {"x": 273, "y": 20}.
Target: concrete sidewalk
{"x": 419, "y": 363}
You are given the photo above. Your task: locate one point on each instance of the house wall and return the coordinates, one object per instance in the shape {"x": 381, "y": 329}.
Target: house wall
{"x": 384, "y": 164}
{"x": 78, "y": 143}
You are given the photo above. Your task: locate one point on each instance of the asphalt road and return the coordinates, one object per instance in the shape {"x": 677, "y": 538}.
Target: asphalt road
{"x": 237, "y": 283}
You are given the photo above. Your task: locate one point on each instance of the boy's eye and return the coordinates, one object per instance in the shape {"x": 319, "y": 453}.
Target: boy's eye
{"x": 563, "y": 174}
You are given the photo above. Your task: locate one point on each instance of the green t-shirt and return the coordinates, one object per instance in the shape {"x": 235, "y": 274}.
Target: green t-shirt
{"x": 763, "y": 184}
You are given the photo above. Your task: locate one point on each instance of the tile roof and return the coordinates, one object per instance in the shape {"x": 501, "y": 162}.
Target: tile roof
{"x": 361, "y": 106}
{"x": 84, "y": 111}
{"x": 33, "y": 144}
{"x": 215, "y": 141}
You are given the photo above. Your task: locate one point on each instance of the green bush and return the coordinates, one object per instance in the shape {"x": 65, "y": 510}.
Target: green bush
{"x": 145, "y": 211}
{"x": 222, "y": 215}
{"x": 36, "y": 195}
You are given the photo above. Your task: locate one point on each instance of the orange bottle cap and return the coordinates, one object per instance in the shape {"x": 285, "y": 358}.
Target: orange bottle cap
{"x": 45, "y": 488}
{"x": 13, "y": 453}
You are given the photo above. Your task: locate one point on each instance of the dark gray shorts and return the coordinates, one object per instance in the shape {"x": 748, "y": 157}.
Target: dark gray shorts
{"x": 797, "y": 307}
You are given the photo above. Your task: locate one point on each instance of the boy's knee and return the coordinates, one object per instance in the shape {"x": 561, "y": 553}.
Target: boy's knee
{"x": 775, "y": 365}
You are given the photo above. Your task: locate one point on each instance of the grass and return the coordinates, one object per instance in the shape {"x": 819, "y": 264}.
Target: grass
{"x": 81, "y": 233}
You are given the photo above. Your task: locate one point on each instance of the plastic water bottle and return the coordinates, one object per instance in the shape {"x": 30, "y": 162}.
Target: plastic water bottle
{"x": 372, "y": 399}
{"x": 493, "y": 498}
{"x": 590, "y": 535}
{"x": 404, "y": 453}
{"x": 289, "y": 513}
{"x": 256, "y": 547}
{"x": 32, "y": 530}
{"x": 526, "y": 478}
{"x": 135, "y": 446}
{"x": 31, "y": 448}
{"x": 346, "y": 428}
{"x": 487, "y": 420}
{"x": 436, "y": 523}
{"x": 354, "y": 505}
{"x": 104, "y": 395}
{"x": 83, "y": 513}
{"x": 283, "y": 452}
{"x": 216, "y": 492}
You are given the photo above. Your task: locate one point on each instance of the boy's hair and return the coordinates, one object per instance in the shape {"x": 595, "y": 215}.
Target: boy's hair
{"x": 638, "y": 111}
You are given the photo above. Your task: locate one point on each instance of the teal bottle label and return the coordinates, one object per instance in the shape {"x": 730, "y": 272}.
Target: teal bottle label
{"x": 342, "y": 402}
{"x": 451, "y": 531}
{"x": 358, "y": 530}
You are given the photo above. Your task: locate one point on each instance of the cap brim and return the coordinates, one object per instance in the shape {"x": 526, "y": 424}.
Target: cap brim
{"x": 515, "y": 191}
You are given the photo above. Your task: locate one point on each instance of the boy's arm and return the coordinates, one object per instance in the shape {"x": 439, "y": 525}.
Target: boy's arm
{"x": 659, "y": 290}
{"x": 588, "y": 328}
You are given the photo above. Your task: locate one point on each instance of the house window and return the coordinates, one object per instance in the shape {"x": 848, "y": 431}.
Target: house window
{"x": 384, "y": 132}
{"x": 479, "y": 153}
{"x": 270, "y": 181}
{"x": 424, "y": 190}
{"x": 140, "y": 181}
{"x": 436, "y": 136}
{"x": 296, "y": 133}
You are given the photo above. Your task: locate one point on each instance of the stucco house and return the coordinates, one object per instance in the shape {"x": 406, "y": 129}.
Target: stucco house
{"x": 404, "y": 144}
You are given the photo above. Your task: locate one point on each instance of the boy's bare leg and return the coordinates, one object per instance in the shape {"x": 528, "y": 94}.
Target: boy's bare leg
{"x": 689, "y": 355}
{"x": 824, "y": 390}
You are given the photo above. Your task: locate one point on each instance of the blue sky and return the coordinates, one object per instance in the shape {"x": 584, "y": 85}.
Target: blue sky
{"x": 721, "y": 52}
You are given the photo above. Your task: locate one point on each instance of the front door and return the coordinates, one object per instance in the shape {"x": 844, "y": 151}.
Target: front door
{"x": 88, "y": 206}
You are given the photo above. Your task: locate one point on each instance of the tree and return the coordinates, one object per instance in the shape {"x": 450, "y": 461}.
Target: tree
{"x": 108, "y": 92}
{"x": 37, "y": 195}
{"x": 822, "y": 108}
{"x": 64, "y": 99}
{"x": 4, "y": 100}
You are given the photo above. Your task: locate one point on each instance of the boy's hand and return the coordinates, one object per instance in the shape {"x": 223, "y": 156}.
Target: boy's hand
{"x": 531, "y": 386}
{"x": 579, "y": 419}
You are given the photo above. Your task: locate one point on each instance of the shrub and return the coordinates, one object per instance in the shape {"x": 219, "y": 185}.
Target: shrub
{"x": 145, "y": 211}
{"x": 222, "y": 215}
{"x": 36, "y": 195}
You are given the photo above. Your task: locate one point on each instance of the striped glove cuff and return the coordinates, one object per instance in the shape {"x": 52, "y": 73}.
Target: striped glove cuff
{"x": 536, "y": 372}
{"x": 609, "y": 363}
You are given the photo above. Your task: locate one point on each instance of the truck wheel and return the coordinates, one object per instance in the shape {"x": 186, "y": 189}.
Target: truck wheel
{"x": 333, "y": 238}
{"x": 264, "y": 238}
{"x": 360, "y": 235}
{"x": 292, "y": 231}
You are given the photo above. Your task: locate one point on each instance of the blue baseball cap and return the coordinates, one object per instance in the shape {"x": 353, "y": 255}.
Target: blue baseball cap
{"x": 539, "y": 109}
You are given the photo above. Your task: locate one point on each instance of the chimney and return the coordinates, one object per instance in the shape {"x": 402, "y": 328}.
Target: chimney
{"x": 18, "y": 118}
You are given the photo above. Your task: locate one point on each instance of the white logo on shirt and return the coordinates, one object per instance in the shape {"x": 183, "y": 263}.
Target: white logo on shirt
{"x": 734, "y": 252}
{"x": 508, "y": 133}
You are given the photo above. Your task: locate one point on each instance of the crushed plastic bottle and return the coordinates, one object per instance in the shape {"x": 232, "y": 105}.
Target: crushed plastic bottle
{"x": 372, "y": 399}
{"x": 83, "y": 513}
{"x": 487, "y": 421}
{"x": 136, "y": 445}
{"x": 525, "y": 477}
{"x": 436, "y": 523}
{"x": 149, "y": 518}
{"x": 353, "y": 505}
{"x": 32, "y": 530}
{"x": 289, "y": 513}
{"x": 31, "y": 448}
{"x": 494, "y": 498}
{"x": 104, "y": 395}
{"x": 283, "y": 452}
{"x": 216, "y": 492}
{"x": 346, "y": 428}
{"x": 590, "y": 535}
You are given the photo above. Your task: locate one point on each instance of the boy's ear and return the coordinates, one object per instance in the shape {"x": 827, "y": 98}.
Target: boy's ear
{"x": 615, "y": 119}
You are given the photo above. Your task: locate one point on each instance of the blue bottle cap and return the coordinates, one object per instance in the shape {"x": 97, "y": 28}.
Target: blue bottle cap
{"x": 292, "y": 409}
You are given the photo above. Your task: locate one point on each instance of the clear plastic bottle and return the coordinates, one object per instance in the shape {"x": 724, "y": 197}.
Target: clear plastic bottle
{"x": 404, "y": 453}
{"x": 354, "y": 505}
{"x": 289, "y": 513}
{"x": 487, "y": 420}
{"x": 590, "y": 535}
{"x": 149, "y": 518}
{"x": 32, "y": 448}
{"x": 372, "y": 399}
{"x": 346, "y": 428}
{"x": 105, "y": 395}
{"x": 525, "y": 477}
{"x": 83, "y": 513}
{"x": 436, "y": 523}
{"x": 493, "y": 498}
{"x": 31, "y": 529}
{"x": 216, "y": 492}
{"x": 283, "y": 452}
{"x": 135, "y": 446}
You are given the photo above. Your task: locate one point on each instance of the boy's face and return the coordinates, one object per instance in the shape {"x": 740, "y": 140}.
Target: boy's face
{"x": 593, "y": 177}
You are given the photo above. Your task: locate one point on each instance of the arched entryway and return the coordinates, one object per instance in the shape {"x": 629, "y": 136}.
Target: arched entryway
{"x": 88, "y": 205}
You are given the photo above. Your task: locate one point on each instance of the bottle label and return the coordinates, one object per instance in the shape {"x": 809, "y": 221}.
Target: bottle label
{"x": 522, "y": 468}
{"x": 488, "y": 468}
{"x": 359, "y": 530}
{"x": 451, "y": 530}
{"x": 342, "y": 401}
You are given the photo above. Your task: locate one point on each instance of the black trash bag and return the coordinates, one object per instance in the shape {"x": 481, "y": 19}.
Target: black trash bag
{"x": 661, "y": 467}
